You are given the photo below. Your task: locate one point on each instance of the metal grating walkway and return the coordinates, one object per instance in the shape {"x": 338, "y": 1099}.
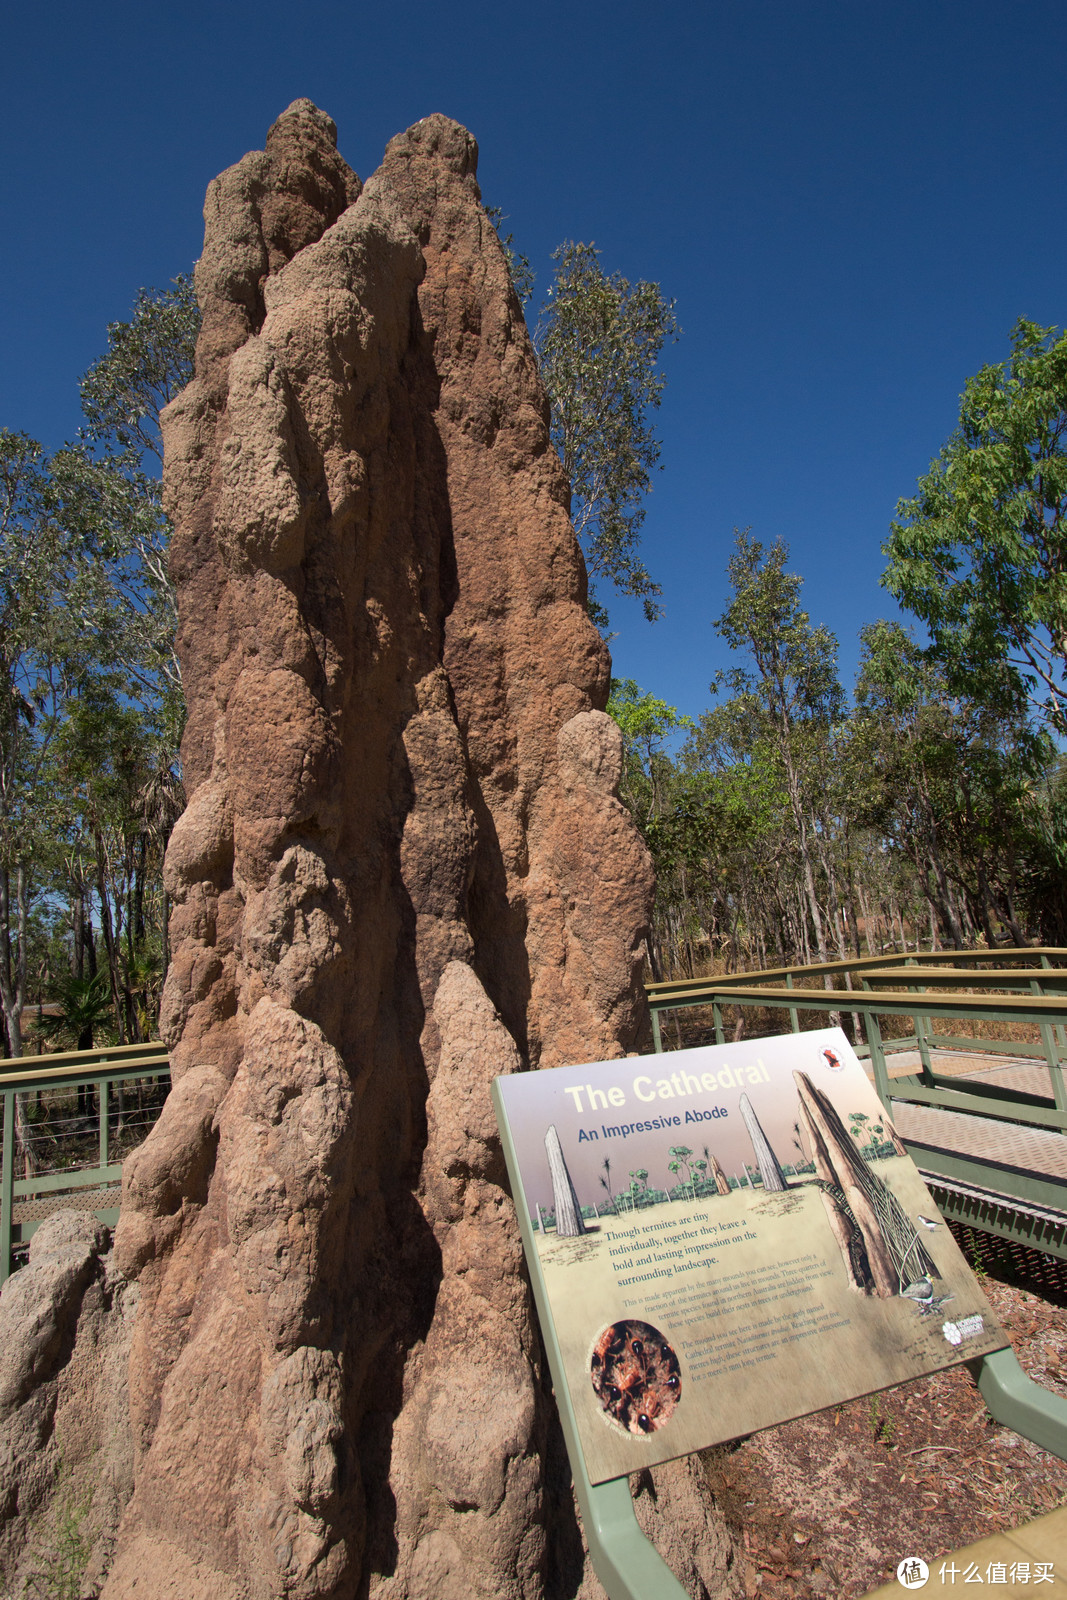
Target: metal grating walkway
{"x": 102, "y": 1199}
{"x": 1003, "y": 1144}
{"x": 999, "y": 1176}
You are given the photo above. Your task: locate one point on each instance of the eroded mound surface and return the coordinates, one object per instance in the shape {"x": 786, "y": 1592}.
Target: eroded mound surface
{"x": 403, "y": 869}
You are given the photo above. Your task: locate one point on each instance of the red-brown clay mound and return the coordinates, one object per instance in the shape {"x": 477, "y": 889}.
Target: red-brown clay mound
{"x": 403, "y": 869}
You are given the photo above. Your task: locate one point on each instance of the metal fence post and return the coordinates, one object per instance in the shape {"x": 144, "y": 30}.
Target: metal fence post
{"x": 794, "y": 1015}
{"x": 104, "y": 1129}
{"x": 922, "y": 1025}
{"x": 881, "y": 1071}
{"x": 1018, "y": 1402}
{"x": 1052, "y": 1055}
{"x": 1058, "y": 1030}
{"x": 7, "y": 1186}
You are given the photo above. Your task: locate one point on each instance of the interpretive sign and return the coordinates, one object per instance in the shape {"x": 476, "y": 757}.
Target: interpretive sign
{"x": 726, "y": 1238}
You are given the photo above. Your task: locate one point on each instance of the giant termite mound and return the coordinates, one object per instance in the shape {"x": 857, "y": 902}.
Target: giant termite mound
{"x": 403, "y": 868}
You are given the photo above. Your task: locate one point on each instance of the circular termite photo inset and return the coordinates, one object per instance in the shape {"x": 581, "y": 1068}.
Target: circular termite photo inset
{"x": 635, "y": 1376}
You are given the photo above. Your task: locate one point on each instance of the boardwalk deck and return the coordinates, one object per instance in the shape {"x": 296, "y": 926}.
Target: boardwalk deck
{"x": 961, "y": 1155}
{"x": 104, "y": 1201}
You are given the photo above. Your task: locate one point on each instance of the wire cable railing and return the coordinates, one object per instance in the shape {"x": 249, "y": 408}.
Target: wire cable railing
{"x": 69, "y": 1121}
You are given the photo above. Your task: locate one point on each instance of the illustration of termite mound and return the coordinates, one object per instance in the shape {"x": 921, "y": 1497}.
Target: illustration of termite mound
{"x": 403, "y": 869}
{"x": 880, "y": 1247}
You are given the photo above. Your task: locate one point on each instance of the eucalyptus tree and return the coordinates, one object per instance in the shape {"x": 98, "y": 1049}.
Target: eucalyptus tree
{"x": 979, "y": 554}
{"x": 119, "y": 743}
{"x": 42, "y": 652}
{"x": 691, "y": 821}
{"x": 598, "y": 341}
{"x": 750, "y": 868}
{"x": 647, "y": 724}
{"x": 790, "y": 689}
{"x": 108, "y": 489}
{"x": 949, "y": 784}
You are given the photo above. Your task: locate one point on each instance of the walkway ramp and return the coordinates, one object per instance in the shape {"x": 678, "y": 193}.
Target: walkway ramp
{"x": 994, "y": 1175}
{"x": 985, "y": 1114}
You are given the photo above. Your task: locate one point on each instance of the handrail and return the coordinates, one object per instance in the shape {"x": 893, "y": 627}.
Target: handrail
{"x": 154, "y": 1048}
{"x": 1047, "y": 1011}
{"x": 152, "y": 1066}
{"x": 860, "y": 964}
{"x": 952, "y": 978}
{"x": 999, "y": 1008}
{"x": 1021, "y": 1203}
{"x": 25, "y": 1075}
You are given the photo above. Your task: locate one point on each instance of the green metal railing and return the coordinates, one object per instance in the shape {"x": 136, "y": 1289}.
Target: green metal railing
{"x": 69, "y": 1167}
{"x": 1027, "y": 1206}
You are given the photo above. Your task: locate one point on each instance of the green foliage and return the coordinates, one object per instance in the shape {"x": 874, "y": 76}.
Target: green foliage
{"x": 107, "y": 495}
{"x": 792, "y": 823}
{"x": 149, "y": 360}
{"x": 785, "y": 707}
{"x": 686, "y": 817}
{"x": 62, "y": 1552}
{"x": 646, "y": 723}
{"x": 795, "y": 675}
{"x": 522, "y": 274}
{"x": 91, "y": 708}
{"x": 949, "y": 782}
{"x": 85, "y": 1008}
{"x": 599, "y": 340}
{"x": 112, "y": 514}
{"x": 44, "y": 654}
{"x": 980, "y": 553}
{"x": 975, "y": 1257}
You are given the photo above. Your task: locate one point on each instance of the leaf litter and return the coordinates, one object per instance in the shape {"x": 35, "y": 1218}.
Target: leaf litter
{"x": 829, "y": 1504}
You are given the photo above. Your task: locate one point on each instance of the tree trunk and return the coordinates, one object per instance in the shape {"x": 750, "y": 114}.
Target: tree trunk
{"x": 865, "y": 912}
{"x": 944, "y": 899}
{"x": 14, "y": 931}
{"x": 112, "y": 937}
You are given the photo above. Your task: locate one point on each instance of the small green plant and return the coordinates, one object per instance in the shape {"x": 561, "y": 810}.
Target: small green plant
{"x": 974, "y": 1255}
{"x": 883, "y": 1426}
{"x": 61, "y": 1562}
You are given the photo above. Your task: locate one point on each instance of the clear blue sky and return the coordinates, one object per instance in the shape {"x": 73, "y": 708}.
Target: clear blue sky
{"x": 851, "y": 203}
